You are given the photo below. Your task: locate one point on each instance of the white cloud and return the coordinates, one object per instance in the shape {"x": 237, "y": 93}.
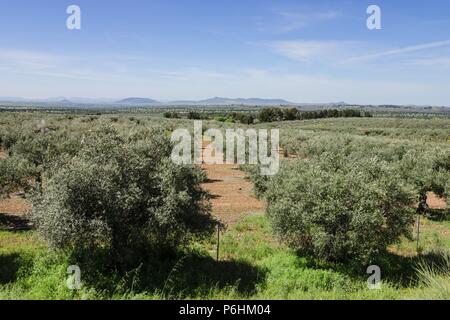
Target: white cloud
{"x": 400, "y": 51}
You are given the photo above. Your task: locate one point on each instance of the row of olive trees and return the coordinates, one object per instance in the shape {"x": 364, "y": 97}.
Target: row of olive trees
{"x": 105, "y": 186}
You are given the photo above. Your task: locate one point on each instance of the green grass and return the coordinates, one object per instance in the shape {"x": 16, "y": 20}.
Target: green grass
{"x": 252, "y": 265}
{"x": 434, "y": 235}
{"x": 17, "y": 251}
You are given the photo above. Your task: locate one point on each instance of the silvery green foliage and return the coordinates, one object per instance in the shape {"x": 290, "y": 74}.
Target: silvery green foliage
{"x": 447, "y": 188}
{"x": 412, "y": 164}
{"x": 122, "y": 193}
{"x": 423, "y": 165}
{"x": 14, "y": 174}
{"x": 41, "y": 148}
{"x": 340, "y": 208}
{"x": 260, "y": 182}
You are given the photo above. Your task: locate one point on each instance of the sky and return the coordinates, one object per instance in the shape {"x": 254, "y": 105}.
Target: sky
{"x": 302, "y": 51}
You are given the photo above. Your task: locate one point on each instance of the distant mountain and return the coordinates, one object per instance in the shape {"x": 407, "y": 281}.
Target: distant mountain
{"x": 91, "y": 100}
{"x": 136, "y": 101}
{"x": 54, "y": 99}
{"x": 338, "y": 104}
{"x": 231, "y": 101}
{"x": 11, "y": 99}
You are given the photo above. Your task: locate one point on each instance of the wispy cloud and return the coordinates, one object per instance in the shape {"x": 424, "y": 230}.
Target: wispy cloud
{"x": 28, "y": 62}
{"x": 27, "y": 59}
{"x": 284, "y": 21}
{"x": 187, "y": 74}
{"x": 400, "y": 51}
{"x": 311, "y": 51}
{"x": 355, "y": 53}
{"x": 54, "y": 76}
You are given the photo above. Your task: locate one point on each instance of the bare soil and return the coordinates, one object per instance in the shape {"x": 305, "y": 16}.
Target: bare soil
{"x": 232, "y": 194}
{"x": 435, "y": 202}
{"x": 15, "y": 205}
{"x": 12, "y": 213}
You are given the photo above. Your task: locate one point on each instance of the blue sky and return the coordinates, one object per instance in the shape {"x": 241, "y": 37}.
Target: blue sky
{"x": 302, "y": 51}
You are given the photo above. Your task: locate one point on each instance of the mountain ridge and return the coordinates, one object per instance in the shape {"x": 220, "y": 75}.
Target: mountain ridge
{"x": 142, "y": 101}
{"x": 136, "y": 100}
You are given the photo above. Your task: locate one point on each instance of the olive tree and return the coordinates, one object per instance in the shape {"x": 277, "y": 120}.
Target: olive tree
{"x": 339, "y": 208}
{"x": 41, "y": 149}
{"x": 14, "y": 175}
{"x": 122, "y": 194}
{"x": 427, "y": 170}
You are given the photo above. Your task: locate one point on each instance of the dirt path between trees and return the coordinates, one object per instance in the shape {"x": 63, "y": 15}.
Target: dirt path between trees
{"x": 232, "y": 194}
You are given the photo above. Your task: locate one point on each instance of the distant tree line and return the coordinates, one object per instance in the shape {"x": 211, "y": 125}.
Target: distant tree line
{"x": 240, "y": 117}
{"x": 272, "y": 115}
{"x": 171, "y": 115}
{"x": 194, "y": 115}
{"x": 277, "y": 114}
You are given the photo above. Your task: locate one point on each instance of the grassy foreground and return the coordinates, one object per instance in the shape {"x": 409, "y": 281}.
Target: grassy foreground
{"x": 252, "y": 265}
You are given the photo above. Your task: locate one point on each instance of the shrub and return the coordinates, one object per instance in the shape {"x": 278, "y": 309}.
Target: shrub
{"x": 8, "y": 137}
{"x": 340, "y": 209}
{"x": 127, "y": 197}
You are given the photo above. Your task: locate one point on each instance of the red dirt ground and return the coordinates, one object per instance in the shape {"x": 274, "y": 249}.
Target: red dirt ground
{"x": 434, "y": 202}
{"x": 14, "y": 206}
{"x": 232, "y": 194}
{"x": 12, "y": 214}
